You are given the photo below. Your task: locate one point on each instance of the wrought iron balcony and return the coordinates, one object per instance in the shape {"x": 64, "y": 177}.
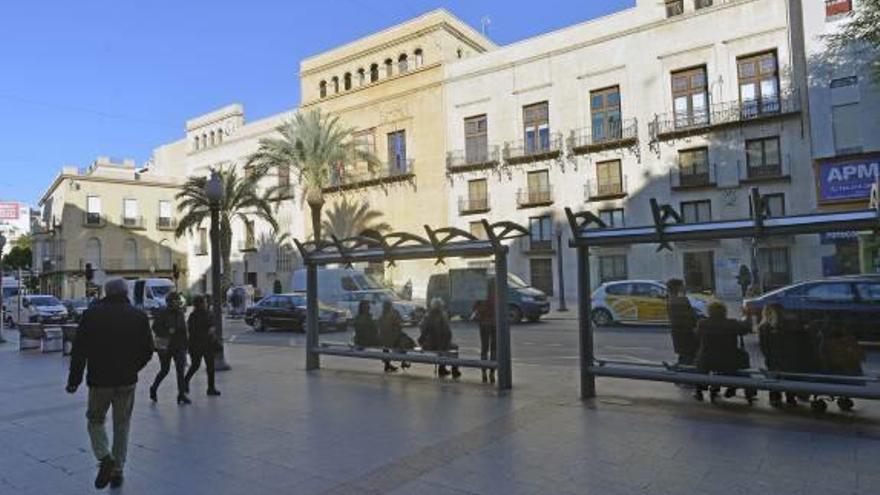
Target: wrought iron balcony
{"x": 598, "y": 191}
{"x": 672, "y": 125}
{"x": 166, "y": 223}
{"x": 394, "y": 171}
{"x": 473, "y": 205}
{"x": 523, "y": 151}
{"x": 249, "y": 244}
{"x": 693, "y": 179}
{"x": 93, "y": 220}
{"x": 616, "y": 135}
{"x": 702, "y": 4}
{"x": 200, "y": 249}
{"x": 530, "y": 198}
{"x": 462, "y": 161}
{"x": 136, "y": 222}
{"x": 674, "y": 8}
{"x": 132, "y": 264}
{"x": 764, "y": 173}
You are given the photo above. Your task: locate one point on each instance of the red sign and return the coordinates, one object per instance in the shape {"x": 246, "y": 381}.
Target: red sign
{"x": 8, "y": 211}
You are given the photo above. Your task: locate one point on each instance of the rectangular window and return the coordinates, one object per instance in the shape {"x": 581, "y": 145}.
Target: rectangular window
{"x": 612, "y": 267}
{"x": 690, "y": 97}
{"x": 397, "y": 152}
{"x": 129, "y": 212}
{"x": 541, "y": 270}
{"x": 699, "y": 271}
{"x": 250, "y": 240}
{"x": 476, "y": 144}
{"x": 540, "y": 233}
{"x": 837, "y": 7}
{"x": 93, "y": 210}
{"x": 758, "y": 84}
{"x": 478, "y": 195}
{"x": 536, "y": 127}
{"x": 605, "y": 114}
{"x": 612, "y": 217}
{"x": 674, "y": 8}
{"x": 538, "y": 187}
{"x": 774, "y": 266}
{"x": 693, "y": 167}
{"x": 775, "y": 205}
{"x": 696, "y": 211}
{"x": 847, "y": 131}
{"x": 202, "y": 246}
{"x": 283, "y": 259}
{"x": 609, "y": 179}
{"x": 478, "y": 230}
{"x": 762, "y": 158}
{"x": 702, "y": 4}
{"x": 165, "y": 220}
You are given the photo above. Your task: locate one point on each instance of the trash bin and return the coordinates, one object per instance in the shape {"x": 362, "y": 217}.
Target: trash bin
{"x": 69, "y": 336}
{"x": 53, "y": 340}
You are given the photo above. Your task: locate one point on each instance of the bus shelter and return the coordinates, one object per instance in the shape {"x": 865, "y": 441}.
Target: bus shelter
{"x": 589, "y": 231}
{"x": 438, "y": 244}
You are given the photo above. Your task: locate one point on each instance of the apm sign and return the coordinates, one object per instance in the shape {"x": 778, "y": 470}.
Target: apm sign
{"x": 848, "y": 180}
{"x": 8, "y": 211}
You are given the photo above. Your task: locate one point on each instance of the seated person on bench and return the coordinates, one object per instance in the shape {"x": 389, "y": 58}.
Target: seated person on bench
{"x": 365, "y": 332}
{"x": 787, "y": 347}
{"x": 719, "y": 351}
{"x": 391, "y": 334}
{"x": 436, "y": 334}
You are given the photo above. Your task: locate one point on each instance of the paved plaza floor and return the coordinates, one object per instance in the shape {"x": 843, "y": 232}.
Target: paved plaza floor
{"x": 351, "y": 429}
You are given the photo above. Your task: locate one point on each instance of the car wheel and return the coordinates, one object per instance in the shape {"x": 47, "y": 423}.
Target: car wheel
{"x": 602, "y": 317}
{"x": 533, "y": 318}
{"x": 514, "y": 314}
{"x": 258, "y": 325}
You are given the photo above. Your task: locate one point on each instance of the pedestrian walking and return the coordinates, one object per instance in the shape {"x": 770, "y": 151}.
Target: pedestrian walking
{"x": 436, "y": 335}
{"x": 203, "y": 343}
{"x": 744, "y": 279}
{"x": 391, "y": 334}
{"x": 484, "y": 315}
{"x": 720, "y": 349}
{"x": 682, "y": 322}
{"x": 113, "y": 343}
{"x": 169, "y": 327}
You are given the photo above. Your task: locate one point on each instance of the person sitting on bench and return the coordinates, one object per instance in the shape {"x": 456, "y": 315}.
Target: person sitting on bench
{"x": 436, "y": 334}
{"x": 786, "y": 346}
{"x": 719, "y": 351}
{"x": 391, "y": 334}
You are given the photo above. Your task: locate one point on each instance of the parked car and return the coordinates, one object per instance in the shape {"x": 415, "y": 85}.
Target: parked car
{"x": 76, "y": 307}
{"x": 149, "y": 294}
{"x": 638, "y": 301}
{"x": 853, "y": 301}
{"x": 461, "y": 287}
{"x": 288, "y": 312}
{"x": 410, "y": 312}
{"x": 39, "y": 309}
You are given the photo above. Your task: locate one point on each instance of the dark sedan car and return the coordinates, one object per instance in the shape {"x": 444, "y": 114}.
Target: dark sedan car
{"x": 853, "y": 301}
{"x": 288, "y": 312}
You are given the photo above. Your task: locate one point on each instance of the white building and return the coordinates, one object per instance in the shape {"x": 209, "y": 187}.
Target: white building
{"x": 15, "y": 222}
{"x": 690, "y": 102}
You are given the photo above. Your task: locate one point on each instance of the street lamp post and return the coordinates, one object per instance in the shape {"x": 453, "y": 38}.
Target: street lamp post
{"x": 2, "y": 308}
{"x": 214, "y": 192}
{"x": 560, "y": 271}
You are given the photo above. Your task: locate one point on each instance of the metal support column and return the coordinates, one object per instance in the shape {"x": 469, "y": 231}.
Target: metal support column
{"x": 502, "y": 324}
{"x": 313, "y": 360}
{"x": 585, "y": 321}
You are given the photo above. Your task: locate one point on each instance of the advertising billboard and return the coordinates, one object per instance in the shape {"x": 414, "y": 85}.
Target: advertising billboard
{"x": 847, "y": 180}
{"x": 8, "y": 210}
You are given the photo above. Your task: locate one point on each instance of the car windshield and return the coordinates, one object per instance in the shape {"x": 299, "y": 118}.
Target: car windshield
{"x": 161, "y": 290}
{"x": 298, "y": 300}
{"x": 42, "y": 301}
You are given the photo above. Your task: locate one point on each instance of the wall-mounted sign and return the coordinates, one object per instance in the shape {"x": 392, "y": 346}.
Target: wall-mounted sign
{"x": 8, "y": 211}
{"x": 847, "y": 180}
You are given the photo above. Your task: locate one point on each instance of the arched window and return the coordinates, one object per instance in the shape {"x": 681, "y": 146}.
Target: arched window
{"x": 420, "y": 60}
{"x": 389, "y": 67}
{"x": 346, "y": 81}
{"x": 335, "y": 84}
{"x": 459, "y": 53}
{"x": 362, "y": 77}
{"x": 219, "y": 136}
{"x": 212, "y": 138}
{"x": 165, "y": 255}
{"x": 196, "y": 144}
{"x": 402, "y": 63}
{"x": 322, "y": 87}
{"x": 374, "y": 73}
{"x": 130, "y": 255}
{"x": 93, "y": 252}
{"x": 204, "y": 141}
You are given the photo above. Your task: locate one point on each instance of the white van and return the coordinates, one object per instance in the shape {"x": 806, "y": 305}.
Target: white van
{"x": 39, "y": 309}
{"x": 345, "y": 288}
{"x": 149, "y": 294}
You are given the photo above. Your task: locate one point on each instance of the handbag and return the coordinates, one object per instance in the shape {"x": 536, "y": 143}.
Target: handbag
{"x": 743, "y": 360}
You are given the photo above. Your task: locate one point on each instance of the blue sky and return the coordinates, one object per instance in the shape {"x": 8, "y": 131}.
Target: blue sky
{"x": 85, "y": 78}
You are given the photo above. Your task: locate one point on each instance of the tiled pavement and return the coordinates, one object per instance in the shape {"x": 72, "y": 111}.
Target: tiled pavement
{"x": 351, "y": 429}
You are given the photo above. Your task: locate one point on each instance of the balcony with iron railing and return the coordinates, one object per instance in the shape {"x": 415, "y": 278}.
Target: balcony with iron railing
{"x": 672, "y": 125}
{"x": 464, "y": 161}
{"x": 132, "y": 264}
{"x": 136, "y": 222}
{"x": 702, "y": 176}
{"x": 468, "y": 205}
{"x": 595, "y": 190}
{"x": 93, "y": 220}
{"x": 522, "y": 151}
{"x": 200, "y": 249}
{"x": 598, "y": 138}
{"x": 248, "y": 244}
{"x": 166, "y": 223}
{"x": 541, "y": 245}
{"x": 764, "y": 173}
{"x": 531, "y": 198}
{"x": 394, "y": 171}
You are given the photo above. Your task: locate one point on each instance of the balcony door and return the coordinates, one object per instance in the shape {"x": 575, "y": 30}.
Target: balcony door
{"x": 690, "y": 97}
{"x": 536, "y": 128}
{"x": 758, "y": 84}
{"x": 476, "y": 147}
{"x": 397, "y": 152}
{"x": 605, "y": 114}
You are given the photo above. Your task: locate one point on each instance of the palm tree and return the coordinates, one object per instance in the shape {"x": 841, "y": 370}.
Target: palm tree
{"x": 240, "y": 201}
{"x": 348, "y": 219}
{"x": 312, "y": 144}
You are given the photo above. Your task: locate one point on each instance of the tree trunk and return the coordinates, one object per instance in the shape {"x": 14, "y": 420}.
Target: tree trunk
{"x": 315, "y": 208}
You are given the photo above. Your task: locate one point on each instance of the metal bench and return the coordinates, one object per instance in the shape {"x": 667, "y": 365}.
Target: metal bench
{"x": 417, "y": 355}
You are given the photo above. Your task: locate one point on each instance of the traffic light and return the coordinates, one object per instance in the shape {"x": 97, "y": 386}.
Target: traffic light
{"x": 90, "y": 272}
{"x": 175, "y": 271}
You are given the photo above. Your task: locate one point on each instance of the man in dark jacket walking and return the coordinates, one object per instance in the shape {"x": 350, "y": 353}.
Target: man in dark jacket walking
{"x": 113, "y": 342}
{"x": 682, "y": 322}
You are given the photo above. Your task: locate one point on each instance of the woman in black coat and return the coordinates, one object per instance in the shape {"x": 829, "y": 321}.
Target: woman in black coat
{"x": 719, "y": 350}
{"x": 436, "y": 334}
{"x": 682, "y": 321}
{"x": 169, "y": 330}
{"x": 786, "y": 346}
{"x": 484, "y": 314}
{"x": 365, "y": 332}
{"x": 202, "y": 343}
{"x": 391, "y": 334}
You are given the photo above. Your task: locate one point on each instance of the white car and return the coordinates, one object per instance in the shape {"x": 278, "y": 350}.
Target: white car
{"x": 39, "y": 309}
{"x": 637, "y": 301}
